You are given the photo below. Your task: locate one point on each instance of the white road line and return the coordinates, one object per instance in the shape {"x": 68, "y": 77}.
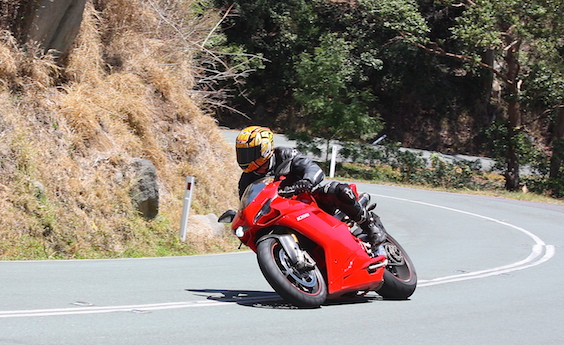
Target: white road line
{"x": 540, "y": 253}
{"x": 110, "y": 309}
{"x": 135, "y": 308}
{"x": 549, "y": 253}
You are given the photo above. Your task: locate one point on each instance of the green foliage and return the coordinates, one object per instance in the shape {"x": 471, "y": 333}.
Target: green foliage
{"x": 525, "y": 38}
{"x": 550, "y": 186}
{"x": 485, "y": 23}
{"x": 450, "y": 175}
{"x": 542, "y": 182}
{"x": 499, "y": 142}
{"x": 545, "y": 86}
{"x": 402, "y": 16}
{"x": 478, "y": 27}
{"x": 536, "y": 25}
{"x": 390, "y": 163}
{"x": 529, "y": 155}
{"x": 276, "y": 30}
{"x": 331, "y": 108}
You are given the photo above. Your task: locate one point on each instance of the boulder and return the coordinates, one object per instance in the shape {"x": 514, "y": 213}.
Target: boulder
{"x": 206, "y": 225}
{"x": 145, "y": 190}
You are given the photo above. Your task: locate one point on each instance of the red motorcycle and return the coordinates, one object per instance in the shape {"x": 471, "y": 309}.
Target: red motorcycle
{"x": 309, "y": 256}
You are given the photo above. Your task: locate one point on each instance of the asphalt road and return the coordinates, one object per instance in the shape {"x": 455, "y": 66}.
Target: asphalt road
{"x": 490, "y": 273}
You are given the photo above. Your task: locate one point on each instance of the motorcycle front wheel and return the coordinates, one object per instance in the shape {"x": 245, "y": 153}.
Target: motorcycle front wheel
{"x": 400, "y": 278}
{"x": 302, "y": 288}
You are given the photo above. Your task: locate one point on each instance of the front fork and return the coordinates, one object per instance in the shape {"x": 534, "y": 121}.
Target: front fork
{"x": 298, "y": 257}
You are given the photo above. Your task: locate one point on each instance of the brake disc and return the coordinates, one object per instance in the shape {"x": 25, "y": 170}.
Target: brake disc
{"x": 394, "y": 254}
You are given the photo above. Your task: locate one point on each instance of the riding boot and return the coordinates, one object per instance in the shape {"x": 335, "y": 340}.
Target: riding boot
{"x": 373, "y": 227}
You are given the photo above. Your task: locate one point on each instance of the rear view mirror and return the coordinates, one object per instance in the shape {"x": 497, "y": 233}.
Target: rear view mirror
{"x": 227, "y": 217}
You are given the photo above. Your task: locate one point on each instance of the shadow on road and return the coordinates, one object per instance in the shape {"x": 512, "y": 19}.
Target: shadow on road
{"x": 269, "y": 300}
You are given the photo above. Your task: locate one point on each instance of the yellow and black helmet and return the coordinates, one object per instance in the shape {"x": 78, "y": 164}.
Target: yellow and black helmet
{"x": 254, "y": 146}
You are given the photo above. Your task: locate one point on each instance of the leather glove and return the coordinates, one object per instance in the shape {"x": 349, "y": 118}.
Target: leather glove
{"x": 296, "y": 188}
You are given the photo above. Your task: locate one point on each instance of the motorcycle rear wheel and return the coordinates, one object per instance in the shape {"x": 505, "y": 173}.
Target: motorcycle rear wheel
{"x": 400, "y": 278}
{"x": 302, "y": 288}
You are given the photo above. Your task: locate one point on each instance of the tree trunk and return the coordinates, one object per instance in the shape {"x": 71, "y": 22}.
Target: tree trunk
{"x": 512, "y": 178}
{"x": 489, "y": 59}
{"x": 557, "y": 145}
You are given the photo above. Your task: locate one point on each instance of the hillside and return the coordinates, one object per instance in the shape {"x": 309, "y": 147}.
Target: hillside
{"x": 69, "y": 136}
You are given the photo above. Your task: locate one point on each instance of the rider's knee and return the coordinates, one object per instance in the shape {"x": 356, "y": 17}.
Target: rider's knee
{"x": 343, "y": 192}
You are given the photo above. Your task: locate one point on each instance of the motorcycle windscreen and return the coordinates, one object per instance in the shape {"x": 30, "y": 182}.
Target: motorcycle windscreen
{"x": 253, "y": 190}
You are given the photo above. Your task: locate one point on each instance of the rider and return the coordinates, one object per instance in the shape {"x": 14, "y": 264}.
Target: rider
{"x": 257, "y": 157}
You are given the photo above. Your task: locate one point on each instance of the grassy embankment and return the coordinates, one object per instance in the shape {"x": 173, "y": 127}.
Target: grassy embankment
{"x": 68, "y": 135}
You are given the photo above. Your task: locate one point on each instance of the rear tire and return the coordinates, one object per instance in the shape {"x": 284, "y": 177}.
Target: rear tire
{"x": 301, "y": 288}
{"x": 400, "y": 278}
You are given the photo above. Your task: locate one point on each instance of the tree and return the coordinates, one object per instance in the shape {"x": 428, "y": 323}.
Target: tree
{"x": 519, "y": 35}
{"x": 276, "y": 30}
{"x": 457, "y": 52}
{"x": 331, "y": 108}
{"x": 522, "y": 34}
{"x": 558, "y": 146}
{"x": 544, "y": 94}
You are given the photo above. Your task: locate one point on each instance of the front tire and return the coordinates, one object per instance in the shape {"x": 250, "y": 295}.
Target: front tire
{"x": 400, "y": 278}
{"x": 302, "y": 288}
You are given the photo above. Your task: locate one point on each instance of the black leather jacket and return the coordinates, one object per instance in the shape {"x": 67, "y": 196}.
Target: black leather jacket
{"x": 286, "y": 162}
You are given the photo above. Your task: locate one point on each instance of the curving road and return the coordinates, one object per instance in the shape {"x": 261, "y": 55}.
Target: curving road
{"x": 489, "y": 268}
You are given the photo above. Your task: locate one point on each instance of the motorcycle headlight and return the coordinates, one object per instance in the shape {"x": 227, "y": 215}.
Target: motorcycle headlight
{"x": 240, "y": 231}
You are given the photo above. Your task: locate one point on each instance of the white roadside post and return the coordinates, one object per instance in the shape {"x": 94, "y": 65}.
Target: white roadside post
{"x": 333, "y": 162}
{"x": 186, "y": 207}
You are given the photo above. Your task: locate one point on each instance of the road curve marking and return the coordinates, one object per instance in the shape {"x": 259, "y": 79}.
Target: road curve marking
{"x": 136, "y": 308}
{"x": 540, "y": 252}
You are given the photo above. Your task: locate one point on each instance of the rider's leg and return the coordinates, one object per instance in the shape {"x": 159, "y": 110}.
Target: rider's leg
{"x": 342, "y": 196}
{"x": 374, "y": 228}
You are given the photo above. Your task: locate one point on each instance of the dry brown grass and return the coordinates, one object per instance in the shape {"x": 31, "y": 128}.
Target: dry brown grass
{"x": 67, "y": 137}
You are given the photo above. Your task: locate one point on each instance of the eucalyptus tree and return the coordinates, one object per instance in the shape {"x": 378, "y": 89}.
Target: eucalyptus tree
{"x": 518, "y": 36}
{"x": 523, "y": 35}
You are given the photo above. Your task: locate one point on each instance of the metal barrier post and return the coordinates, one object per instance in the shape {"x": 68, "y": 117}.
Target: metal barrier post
{"x": 186, "y": 207}
{"x": 333, "y": 162}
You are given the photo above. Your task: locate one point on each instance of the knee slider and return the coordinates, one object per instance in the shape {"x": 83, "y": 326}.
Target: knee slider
{"x": 345, "y": 193}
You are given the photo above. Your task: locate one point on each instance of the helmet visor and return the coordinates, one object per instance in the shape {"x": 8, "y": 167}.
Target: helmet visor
{"x": 247, "y": 155}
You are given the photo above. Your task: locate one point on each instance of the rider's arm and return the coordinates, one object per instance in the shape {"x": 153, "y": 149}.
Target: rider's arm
{"x": 307, "y": 169}
{"x": 298, "y": 165}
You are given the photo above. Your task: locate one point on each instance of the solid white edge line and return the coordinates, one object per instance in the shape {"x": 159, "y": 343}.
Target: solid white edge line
{"x": 528, "y": 233}
{"x": 110, "y": 309}
{"x": 537, "y": 249}
{"x": 140, "y": 308}
{"x": 550, "y": 250}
